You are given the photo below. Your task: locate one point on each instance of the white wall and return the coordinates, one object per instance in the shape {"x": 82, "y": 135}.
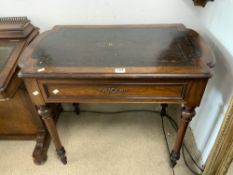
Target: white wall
{"x": 217, "y": 22}
{"x": 47, "y": 13}
{"x": 213, "y": 21}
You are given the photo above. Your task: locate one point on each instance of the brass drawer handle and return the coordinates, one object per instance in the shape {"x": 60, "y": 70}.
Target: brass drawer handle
{"x": 113, "y": 91}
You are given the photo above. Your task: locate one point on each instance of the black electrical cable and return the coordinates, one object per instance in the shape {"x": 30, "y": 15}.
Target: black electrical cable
{"x": 185, "y": 148}
{"x": 186, "y": 163}
{"x": 175, "y": 127}
{"x": 172, "y": 122}
{"x": 167, "y": 144}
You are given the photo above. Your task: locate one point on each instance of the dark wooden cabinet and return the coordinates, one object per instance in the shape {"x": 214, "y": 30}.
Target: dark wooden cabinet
{"x": 201, "y": 2}
{"x": 18, "y": 116}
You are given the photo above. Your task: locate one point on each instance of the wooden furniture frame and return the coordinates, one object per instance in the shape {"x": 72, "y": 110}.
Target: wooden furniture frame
{"x": 18, "y": 115}
{"x": 222, "y": 153}
{"x": 201, "y": 2}
{"x": 123, "y": 64}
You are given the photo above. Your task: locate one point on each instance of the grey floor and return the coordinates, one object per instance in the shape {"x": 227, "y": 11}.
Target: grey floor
{"x": 100, "y": 144}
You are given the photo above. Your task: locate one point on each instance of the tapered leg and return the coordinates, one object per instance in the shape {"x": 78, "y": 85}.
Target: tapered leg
{"x": 46, "y": 115}
{"x": 187, "y": 114}
{"x": 76, "y": 108}
{"x": 163, "y": 110}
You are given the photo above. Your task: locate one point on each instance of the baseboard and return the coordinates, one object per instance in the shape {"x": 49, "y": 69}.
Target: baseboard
{"x": 190, "y": 143}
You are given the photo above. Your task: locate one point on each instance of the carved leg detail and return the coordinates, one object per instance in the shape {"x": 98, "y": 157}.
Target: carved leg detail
{"x": 76, "y": 108}
{"x": 46, "y": 115}
{"x": 40, "y": 152}
{"x": 187, "y": 114}
{"x": 163, "y": 110}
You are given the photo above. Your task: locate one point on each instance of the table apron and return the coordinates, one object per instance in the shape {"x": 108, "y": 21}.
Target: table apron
{"x": 83, "y": 91}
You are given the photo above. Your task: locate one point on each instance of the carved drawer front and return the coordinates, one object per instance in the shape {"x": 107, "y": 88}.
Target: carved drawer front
{"x": 54, "y": 91}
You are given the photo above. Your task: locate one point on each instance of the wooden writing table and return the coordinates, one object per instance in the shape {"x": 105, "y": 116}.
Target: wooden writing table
{"x": 163, "y": 64}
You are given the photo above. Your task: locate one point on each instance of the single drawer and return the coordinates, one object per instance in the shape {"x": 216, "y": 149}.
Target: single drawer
{"x": 78, "y": 90}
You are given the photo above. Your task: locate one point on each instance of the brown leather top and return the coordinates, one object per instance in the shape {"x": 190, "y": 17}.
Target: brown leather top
{"x": 116, "y": 47}
{"x": 90, "y": 49}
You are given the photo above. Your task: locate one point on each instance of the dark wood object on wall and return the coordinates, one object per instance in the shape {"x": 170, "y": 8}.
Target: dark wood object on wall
{"x": 18, "y": 116}
{"x": 201, "y": 2}
{"x": 162, "y": 64}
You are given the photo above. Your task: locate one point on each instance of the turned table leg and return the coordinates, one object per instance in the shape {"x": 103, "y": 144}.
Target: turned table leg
{"x": 163, "y": 111}
{"x": 186, "y": 116}
{"x": 46, "y": 115}
{"x": 76, "y": 108}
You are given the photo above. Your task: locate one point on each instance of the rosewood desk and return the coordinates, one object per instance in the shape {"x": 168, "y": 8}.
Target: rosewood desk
{"x": 117, "y": 64}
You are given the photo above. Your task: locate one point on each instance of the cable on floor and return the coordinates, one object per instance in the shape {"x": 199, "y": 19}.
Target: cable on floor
{"x": 175, "y": 127}
{"x": 173, "y": 124}
{"x": 167, "y": 144}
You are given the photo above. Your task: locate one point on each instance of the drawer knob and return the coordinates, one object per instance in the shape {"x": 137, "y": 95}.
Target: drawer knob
{"x": 55, "y": 91}
{"x": 35, "y": 93}
{"x": 112, "y": 91}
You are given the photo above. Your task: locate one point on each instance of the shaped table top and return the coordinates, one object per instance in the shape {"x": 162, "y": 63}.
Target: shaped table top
{"x": 75, "y": 51}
